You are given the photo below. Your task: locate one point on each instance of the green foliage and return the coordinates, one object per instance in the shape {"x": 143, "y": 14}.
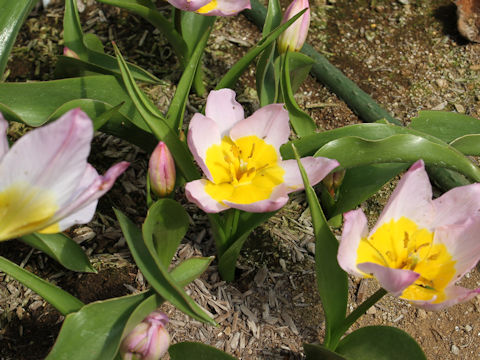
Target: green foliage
{"x": 62, "y": 249}
{"x": 196, "y": 351}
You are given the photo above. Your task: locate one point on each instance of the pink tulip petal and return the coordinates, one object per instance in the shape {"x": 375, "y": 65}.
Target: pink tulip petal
{"x": 51, "y": 157}
{"x": 316, "y": 168}
{"x": 412, "y": 199}
{"x": 277, "y": 199}
{"x": 3, "y": 136}
{"x": 203, "y": 132}
{"x": 195, "y": 192}
{"x": 392, "y": 280}
{"x": 354, "y": 229}
{"x": 269, "y": 123}
{"x": 454, "y": 295}
{"x": 229, "y": 7}
{"x": 188, "y": 5}
{"x": 223, "y": 109}
{"x": 462, "y": 243}
{"x": 456, "y": 205}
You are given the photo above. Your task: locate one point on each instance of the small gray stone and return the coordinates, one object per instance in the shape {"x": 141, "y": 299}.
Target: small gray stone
{"x": 455, "y": 350}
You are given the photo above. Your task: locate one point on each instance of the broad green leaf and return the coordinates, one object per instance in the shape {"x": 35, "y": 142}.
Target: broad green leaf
{"x": 405, "y": 148}
{"x": 231, "y": 77}
{"x": 159, "y": 127}
{"x": 301, "y": 122}
{"x": 445, "y": 125}
{"x": 318, "y": 352}
{"x": 69, "y": 67}
{"x": 157, "y": 274}
{"x": 380, "y": 343}
{"x": 229, "y": 251}
{"x": 58, "y": 298}
{"x": 190, "y": 269}
{"x": 62, "y": 249}
{"x": 468, "y": 144}
{"x": 95, "y": 94}
{"x": 332, "y": 281}
{"x": 196, "y": 351}
{"x": 165, "y": 226}
{"x": 299, "y": 65}
{"x": 362, "y": 182}
{"x": 193, "y": 27}
{"x": 266, "y": 81}
{"x": 12, "y": 16}
{"x": 147, "y": 10}
{"x": 74, "y": 40}
{"x": 176, "y": 111}
{"x": 309, "y": 144}
{"x": 94, "y": 332}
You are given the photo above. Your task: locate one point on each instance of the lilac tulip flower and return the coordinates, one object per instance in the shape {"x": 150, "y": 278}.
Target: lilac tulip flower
{"x": 293, "y": 38}
{"x": 212, "y": 7}
{"x": 46, "y": 183}
{"x": 419, "y": 247}
{"x": 241, "y": 159}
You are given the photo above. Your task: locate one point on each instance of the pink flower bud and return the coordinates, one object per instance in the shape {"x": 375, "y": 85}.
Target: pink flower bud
{"x": 149, "y": 340}
{"x": 70, "y": 53}
{"x": 161, "y": 170}
{"x": 294, "y": 37}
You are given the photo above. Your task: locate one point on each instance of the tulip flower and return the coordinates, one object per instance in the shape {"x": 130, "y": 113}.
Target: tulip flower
{"x": 149, "y": 340}
{"x": 293, "y": 38}
{"x": 419, "y": 247}
{"x": 212, "y": 7}
{"x": 241, "y": 159}
{"x": 161, "y": 170}
{"x": 46, "y": 183}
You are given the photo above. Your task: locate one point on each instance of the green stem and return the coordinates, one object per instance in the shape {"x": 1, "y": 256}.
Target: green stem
{"x": 354, "y": 316}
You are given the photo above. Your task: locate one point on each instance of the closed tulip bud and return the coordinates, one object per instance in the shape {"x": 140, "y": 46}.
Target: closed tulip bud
{"x": 70, "y": 53}
{"x": 294, "y": 37}
{"x": 161, "y": 170}
{"x": 149, "y": 340}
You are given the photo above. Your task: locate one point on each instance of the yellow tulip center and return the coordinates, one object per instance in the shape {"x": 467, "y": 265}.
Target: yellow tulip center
{"x": 401, "y": 244}
{"x": 25, "y": 209}
{"x": 212, "y": 5}
{"x": 243, "y": 171}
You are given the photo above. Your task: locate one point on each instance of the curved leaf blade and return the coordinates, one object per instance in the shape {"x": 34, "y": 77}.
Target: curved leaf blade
{"x": 196, "y": 351}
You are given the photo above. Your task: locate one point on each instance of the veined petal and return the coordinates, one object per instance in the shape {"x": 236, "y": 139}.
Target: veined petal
{"x": 278, "y": 199}
{"x": 461, "y": 241}
{"x": 316, "y": 168}
{"x": 195, "y": 192}
{"x": 392, "y": 280}
{"x": 222, "y": 108}
{"x": 412, "y": 199}
{"x": 3, "y": 136}
{"x": 269, "y": 123}
{"x": 453, "y": 295}
{"x": 354, "y": 229}
{"x": 51, "y": 157}
{"x": 188, "y": 5}
{"x": 203, "y": 132}
{"x": 224, "y": 7}
{"x": 456, "y": 205}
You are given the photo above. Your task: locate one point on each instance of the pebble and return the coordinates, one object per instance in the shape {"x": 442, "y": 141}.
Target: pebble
{"x": 441, "y": 83}
{"x": 421, "y": 314}
{"x": 311, "y": 248}
{"x": 372, "y": 310}
{"x": 459, "y": 108}
{"x": 468, "y": 328}
{"x": 455, "y": 350}
{"x": 283, "y": 264}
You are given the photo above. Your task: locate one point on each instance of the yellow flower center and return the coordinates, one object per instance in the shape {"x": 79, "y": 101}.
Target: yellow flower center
{"x": 244, "y": 171}
{"x": 212, "y": 5}
{"x": 402, "y": 245}
{"x": 24, "y": 209}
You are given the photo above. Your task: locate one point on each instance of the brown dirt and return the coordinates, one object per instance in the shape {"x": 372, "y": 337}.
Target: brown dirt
{"x": 406, "y": 54}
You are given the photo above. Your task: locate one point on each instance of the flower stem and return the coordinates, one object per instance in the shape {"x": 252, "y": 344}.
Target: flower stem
{"x": 354, "y": 316}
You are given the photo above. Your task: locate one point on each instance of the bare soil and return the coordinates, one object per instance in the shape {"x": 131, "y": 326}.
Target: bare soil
{"x": 407, "y": 54}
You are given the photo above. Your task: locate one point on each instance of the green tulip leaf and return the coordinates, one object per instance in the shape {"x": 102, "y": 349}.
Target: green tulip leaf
{"x": 332, "y": 281}
{"x": 299, "y": 65}
{"x": 156, "y": 273}
{"x": 12, "y": 17}
{"x": 94, "y": 332}
{"x": 468, "y": 144}
{"x": 445, "y": 125}
{"x": 380, "y": 343}
{"x": 165, "y": 226}
{"x": 190, "y": 269}
{"x": 58, "y": 298}
{"x": 318, "y": 352}
{"x": 405, "y": 148}
{"x": 62, "y": 249}
{"x": 196, "y": 351}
